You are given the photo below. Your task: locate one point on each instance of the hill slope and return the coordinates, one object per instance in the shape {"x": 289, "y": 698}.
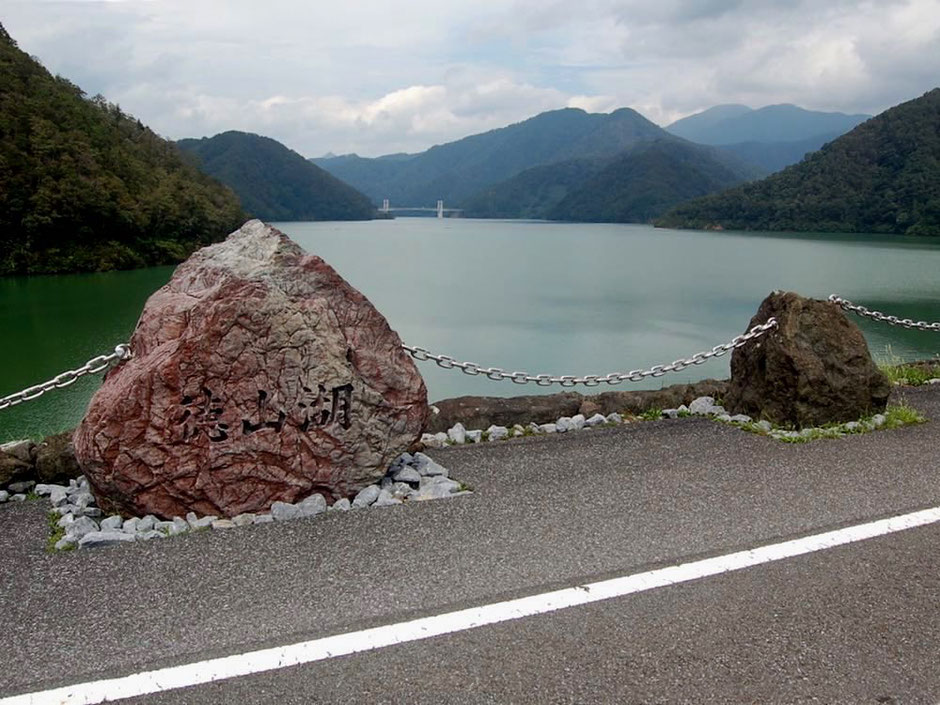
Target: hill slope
{"x": 85, "y": 187}
{"x": 275, "y": 183}
{"x": 883, "y": 176}
{"x": 457, "y": 170}
{"x": 648, "y": 180}
{"x": 733, "y": 124}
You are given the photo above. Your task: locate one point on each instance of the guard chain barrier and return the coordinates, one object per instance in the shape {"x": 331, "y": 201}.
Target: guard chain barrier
{"x": 121, "y": 353}
{"x": 879, "y": 316}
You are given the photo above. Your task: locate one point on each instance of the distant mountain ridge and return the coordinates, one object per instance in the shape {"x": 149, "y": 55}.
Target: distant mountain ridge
{"x": 734, "y": 124}
{"x": 86, "y": 187}
{"x": 457, "y": 170}
{"x": 274, "y": 182}
{"x": 882, "y": 177}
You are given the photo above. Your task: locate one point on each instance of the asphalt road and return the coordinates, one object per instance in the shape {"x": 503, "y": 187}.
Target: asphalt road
{"x": 855, "y": 624}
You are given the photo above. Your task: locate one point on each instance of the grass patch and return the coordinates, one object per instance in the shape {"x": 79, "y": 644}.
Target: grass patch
{"x": 56, "y": 532}
{"x": 899, "y": 372}
{"x": 651, "y": 415}
{"x": 902, "y": 415}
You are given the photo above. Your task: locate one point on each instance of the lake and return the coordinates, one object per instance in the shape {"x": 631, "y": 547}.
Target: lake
{"x": 555, "y": 298}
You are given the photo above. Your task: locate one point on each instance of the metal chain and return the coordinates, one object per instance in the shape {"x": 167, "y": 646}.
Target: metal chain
{"x": 499, "y": 374}
{"x": 97, "y": 364}
{"x": 879, "y": 316}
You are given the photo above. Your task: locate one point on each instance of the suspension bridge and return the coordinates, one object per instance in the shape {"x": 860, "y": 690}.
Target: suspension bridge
{"x": 438, "y": 209}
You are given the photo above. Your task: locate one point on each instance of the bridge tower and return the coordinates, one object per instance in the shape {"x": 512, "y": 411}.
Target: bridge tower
{"x": 385, "y": 206}
{"x": 440, "y": 209}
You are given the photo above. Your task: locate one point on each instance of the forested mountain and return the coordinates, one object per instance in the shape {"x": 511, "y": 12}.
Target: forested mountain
{"x": 275, "y": 183}
{"x": 457, "y": 170}
{"x": 774, "y": 156}
{"x": 85, "y": 187}
{"x": 734, "y": 124}
{"x": 882, "y": 177}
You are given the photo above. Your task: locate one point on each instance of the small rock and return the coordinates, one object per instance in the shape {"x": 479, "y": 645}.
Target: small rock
{"x": 518, "y": 430}
{"x": 852, "y": 426}
{"x": 878, "y": 420}
{"x": 282, "y": 511}
{"x": 21, "y": 487}
{"x": 701, "y": 405}
{"x": 44, "y": 490}
{"x": 4, "y": 496}
{"x": 548, "y": 428}
{"x": 386, "y": 483}
{"x": 534, "y": 427}
{"x": 21, "y": 450}
{"x": 402, "y": 490}
{"x": 683, "y": 409}
{"x": 149, "y": 535}
{"x": 203, "y": 522}
{"x": 670, "y": 414}
{"x": 147, "y": 523}
{"x": 82, "y": 499}
{"x": 596, "y": 420}
{"x": 741, "y": 418}
{"x": 614, "y": 417}
{"x": 130, "y": 525}
{"x": 244, "y": 519}
{"x": 18, "y": 497}
{"x": 716, "y": 410}
{"x": 935, "y": 380}
{"x": 432, "y": 441}
{"x": 181, "y": 525}
{"x": 457, "y": 434}
{"x": 409, "y": 475}
{"x": 92, "y": 512}
{"x": 497, "y": 433}
{"x": 312, "y": 505}
{"x": 105, "y": 538}
{"x": 264, "y": 519}
{"x": 220, "y": 524}
{"x": 563, "y": 424}
{"x": 385, "y": 499}
{"x": 577, "y": 422}
{"x": 341, "y": 505}
{"x": 475, "y": 436}
{"x": 367, "y": 496}
{"x": 67, "y": 509}
{"x": 724, "y": 418}
{"x": 58, "y": 497}
{"x": 112, "y": 523}
{"x": 426, "y": 466}
{"x": 81, "y": 527}
{"x": 65, "y": 543}
{"x": 65, "y": 521}
{"x": 437, "y": 490}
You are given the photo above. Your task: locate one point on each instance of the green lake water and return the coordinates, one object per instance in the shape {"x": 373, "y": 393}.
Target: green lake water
{"x": 540, "y": 297}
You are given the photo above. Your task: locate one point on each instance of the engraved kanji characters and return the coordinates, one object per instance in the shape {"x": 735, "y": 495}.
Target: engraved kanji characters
{"x": 202, "y": 415}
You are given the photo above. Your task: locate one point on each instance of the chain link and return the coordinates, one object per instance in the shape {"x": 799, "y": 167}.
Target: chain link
{"x": 96, "y": 364}
{"x": 879, "y": 316}
{"x": 543, "y": 380}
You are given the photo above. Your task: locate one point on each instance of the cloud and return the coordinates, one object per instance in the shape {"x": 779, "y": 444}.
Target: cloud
{"x": 376, "y": 77}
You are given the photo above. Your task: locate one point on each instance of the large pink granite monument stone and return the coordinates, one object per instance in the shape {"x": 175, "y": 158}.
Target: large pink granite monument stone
{"x": 258, "y": 375}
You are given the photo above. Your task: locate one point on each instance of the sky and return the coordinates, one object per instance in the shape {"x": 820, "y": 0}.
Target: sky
{"x": 382, "y": 76}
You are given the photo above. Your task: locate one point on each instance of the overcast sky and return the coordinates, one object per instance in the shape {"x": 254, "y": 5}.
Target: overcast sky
{"x": 380, "y": 76}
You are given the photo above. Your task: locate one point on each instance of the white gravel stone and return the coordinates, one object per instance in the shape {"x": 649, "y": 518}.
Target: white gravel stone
{"x": 577, "y": 422}
{"x": 282, "y": 511}
{"x": 130, "y": 525}
{"x": 182, "y": 526}
{"x": 66, "y": 542}
{"x": 878, "y": 420}
{"x": 670, "y": 414}
{"x": 244, "y": 519}
{"x": 65, "y": 521}
{"x": 4, "y": 496}
{"x": 81, "y": 527}
{"x": 341, "y": 505}
{"x": 683, "y": 409}
{"x": 147, "y": 523}
{"x": 312, "y": 505}
{"x": 112, "y": 523}
{"x": 457, "y": 434}
{"x": 408, "y": 474}
{"x": 264, "y": 519}
{"x": 435, "y": 440}
{"x": 426, "y": 466}
{"x": 548, "y": 428}
{"x": 563, "y": 424}
{"x": 366, "y": 496}
{"x": 21, "y": 487}
{"x": 43, "y": 490}
{"x": 475, "y": 436}
{"x": 596, "y": 420}
{"x": 497, "y": 433}
{"x": 851, "y": 426}
{"x": 105, "y": 538}
{"x": 935, "y": 380}
{"x": 614, "y": 417}
{"x": 716, "y": 410}
{"x": 765, "y": 425}
{"x": 517, "y": 430}
{"x": 220, "y": 524}
{"x": 534, "y": 427}
{"x": 58, "y": 497}
{"x": 149, "y": 535}
{"x": 701, "y": 405}
{"x": 741, "y": 418}
{"x": 385, "y": 499}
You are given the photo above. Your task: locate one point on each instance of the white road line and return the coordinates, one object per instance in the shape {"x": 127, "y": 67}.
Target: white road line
{"x": 245, "y": 664}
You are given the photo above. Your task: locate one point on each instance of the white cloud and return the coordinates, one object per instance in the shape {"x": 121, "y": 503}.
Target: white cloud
{"x": 375, "y": 77}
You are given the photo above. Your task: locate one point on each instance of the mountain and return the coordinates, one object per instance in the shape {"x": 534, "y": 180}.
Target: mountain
{"x": 86, "y": 187}
{"x": 733, "y": 124}
{"x": 774, "y": 156}
{"x": 275, "y": 183}
{"x": 882, "y": 177}
{"x": 457, "y": 170}
{"x": 648, "y": 180}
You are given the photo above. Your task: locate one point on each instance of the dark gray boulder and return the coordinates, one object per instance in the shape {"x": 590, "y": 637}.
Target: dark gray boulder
{"x": 813, "y": 369}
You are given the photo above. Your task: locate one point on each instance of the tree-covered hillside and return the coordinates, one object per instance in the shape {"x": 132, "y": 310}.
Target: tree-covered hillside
{"x": 85, "y": 187}
{"x": 648, "y": 180}
{"x": 457, "y": 170}
{"x": 275, "y": 183}
{"x": 882, "y": 177}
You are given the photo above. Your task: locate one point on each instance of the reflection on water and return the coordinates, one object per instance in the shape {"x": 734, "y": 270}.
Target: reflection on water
{"x": 539, "y": 297}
